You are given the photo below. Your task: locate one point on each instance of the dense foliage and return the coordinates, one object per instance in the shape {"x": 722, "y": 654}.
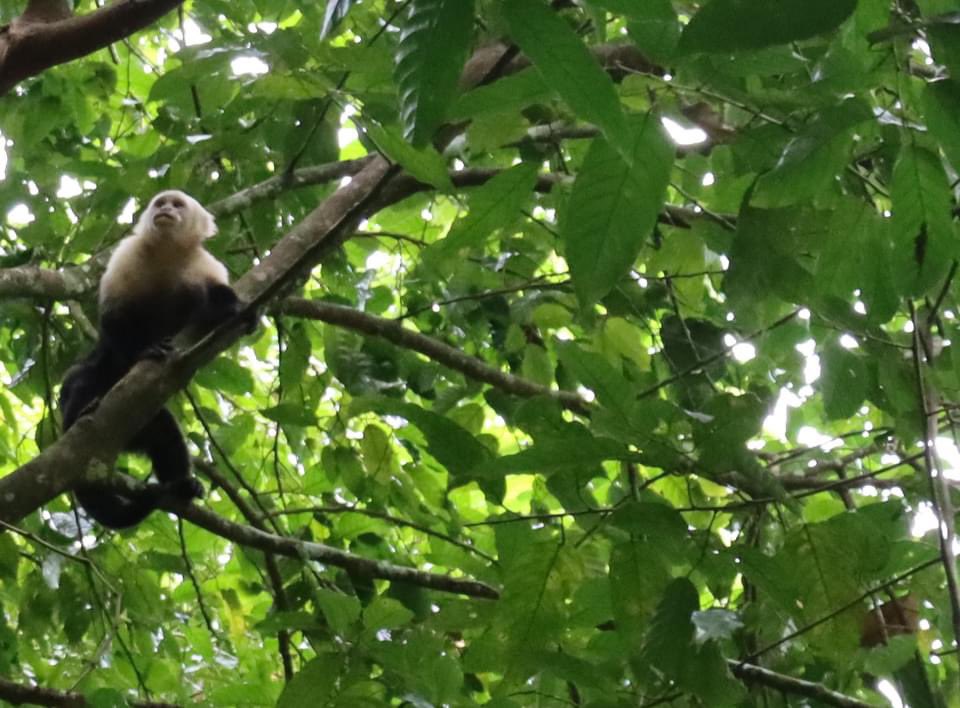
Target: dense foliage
{"x": 694, "y": 268}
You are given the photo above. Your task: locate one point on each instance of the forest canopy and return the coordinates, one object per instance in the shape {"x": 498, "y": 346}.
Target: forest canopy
{"x": 606, "y": 353}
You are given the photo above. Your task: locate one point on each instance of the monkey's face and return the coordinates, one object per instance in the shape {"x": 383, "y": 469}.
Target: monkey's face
{"x": 168, "y": 212}
{"x": 178, "y": 216}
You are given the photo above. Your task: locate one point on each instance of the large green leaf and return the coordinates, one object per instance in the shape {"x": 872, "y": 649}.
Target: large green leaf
{"x": 433, "y": 46}
{"x": 452, "y": 445}
{"x": 845, "y": 382}
{"x": 311, "y": 684}
{"x": 568, "y": 67}
{"x": 811, "y": 161}
{"x": 941, "y": 108}
{"x": 493, "y": 206}
{"x": 511, "y": 93}
{"x": 613, "y": 209}
{"x": 732, "y": 25}
{"x": 669, "y": 636}
{"x": 923, "y": 231}
{"x": 652, "y": 25}
{"x": 425, "y": 163}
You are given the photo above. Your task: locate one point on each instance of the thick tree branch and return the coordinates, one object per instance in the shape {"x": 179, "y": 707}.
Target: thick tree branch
{"x": 394, "y": 331}
{"x": 301, "y": 177}
{"x": 67, "y": 284}
{"x": 798, "y": 687}
{"x": 46, "y": 35}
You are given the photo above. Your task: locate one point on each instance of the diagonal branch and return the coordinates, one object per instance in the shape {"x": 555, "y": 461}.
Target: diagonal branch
{"x": 46, "y": 34}
{"x": 752, "y": 673}
{"x": 394, "y": 331}
{"x": 311, "y": 550}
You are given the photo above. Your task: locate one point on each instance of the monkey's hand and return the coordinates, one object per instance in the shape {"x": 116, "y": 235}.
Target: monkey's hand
{"x": 250, "y": 319}
{"x": 158, "y": 351}
{"x": 89, "y": 408}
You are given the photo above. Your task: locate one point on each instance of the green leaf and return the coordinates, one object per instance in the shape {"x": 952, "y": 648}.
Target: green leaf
{"x": 9, "y": 557}
{"x": 923, "y": 231}
{"x": 722, "y": 428}
{"x": 455, "y": 448}
{"x": 509, "y": 94}
{"x": 657, "y": 523}
{"x": 296, "y": 357}
{"x": 812, "y": 160}
{"x": 290, "y": 414}
{"x": 653, "y": 26}
{"x": 340, "y": 610}
{"x": 596, "y": 373}
{"x": 568, "y": 67}
{"x": 430, "y": 54}
{"x": 707, "y": 674}
{"x": 225, "y": 374}
{"x": 530, "y": 561}
{"x": 669, "y": 637}
{"x": 552, "y": 454}
{"x": 495, "y": 205}
{"x": 941, "y": 108}
{"x": 613, "y": 209}
{"x": 732, "y": 25}
{"x": 844, "y": 381}
{"x": 386, "y": 613}
{"x": 426, "y": 164}
{"x": 311, "y": 685}
{"x": 639, "y": 574}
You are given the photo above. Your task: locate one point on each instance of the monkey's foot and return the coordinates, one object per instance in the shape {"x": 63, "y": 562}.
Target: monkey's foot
{"x": 250, "y": 321}
{"x": 185, "y": 489}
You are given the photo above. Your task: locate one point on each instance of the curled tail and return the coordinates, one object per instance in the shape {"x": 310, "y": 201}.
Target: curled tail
{"x": 118, "y": 510}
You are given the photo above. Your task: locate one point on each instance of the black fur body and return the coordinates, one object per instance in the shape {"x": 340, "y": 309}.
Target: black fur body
{"x": 160, "y": 282}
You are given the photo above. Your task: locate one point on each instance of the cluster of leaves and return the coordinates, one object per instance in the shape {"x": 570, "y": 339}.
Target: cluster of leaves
{"x": 744, "y": 318}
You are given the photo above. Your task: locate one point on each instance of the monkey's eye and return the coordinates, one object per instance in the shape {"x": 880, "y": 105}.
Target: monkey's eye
{"x": 178, "y": 204}
{"x": 159, "y": 203}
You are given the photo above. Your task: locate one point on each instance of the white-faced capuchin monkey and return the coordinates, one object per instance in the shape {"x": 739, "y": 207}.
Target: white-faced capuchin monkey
{"x": 159, "y": 281}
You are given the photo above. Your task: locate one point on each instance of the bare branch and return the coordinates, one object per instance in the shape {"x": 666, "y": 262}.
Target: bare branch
{"x": 394, "y": 331}
{"x": 788, "y": 684}
{"x": 311, "y": 550}
{"x": 20, "y": 694}
{"x": 46, "y": 34}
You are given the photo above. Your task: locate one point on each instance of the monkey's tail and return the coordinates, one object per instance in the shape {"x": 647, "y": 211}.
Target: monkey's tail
{"x": 115, "y": 510}
{"x": 121, "y": 510}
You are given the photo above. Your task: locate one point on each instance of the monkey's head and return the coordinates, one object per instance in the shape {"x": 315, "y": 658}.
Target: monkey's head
{"x": 176, "y": 215}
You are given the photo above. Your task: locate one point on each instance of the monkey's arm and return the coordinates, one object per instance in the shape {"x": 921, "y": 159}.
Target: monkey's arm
{"x": 221, "y": 304}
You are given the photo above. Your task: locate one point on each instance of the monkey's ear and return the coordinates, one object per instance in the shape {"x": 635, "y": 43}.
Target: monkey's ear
{"x": 206, "y": 224}
{"x": 142, "y": 224}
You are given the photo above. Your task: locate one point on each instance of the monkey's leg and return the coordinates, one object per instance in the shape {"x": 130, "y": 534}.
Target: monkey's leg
{"x": 162, "y": 441}
{"x": 80, "y": 394}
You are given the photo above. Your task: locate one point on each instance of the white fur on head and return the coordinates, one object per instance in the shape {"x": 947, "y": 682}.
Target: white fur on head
{"x": 160, "y": 256}
{"x": 198, "y": 224}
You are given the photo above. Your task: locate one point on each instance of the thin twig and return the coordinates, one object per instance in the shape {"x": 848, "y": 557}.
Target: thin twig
{"x": 939, "y": 491}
